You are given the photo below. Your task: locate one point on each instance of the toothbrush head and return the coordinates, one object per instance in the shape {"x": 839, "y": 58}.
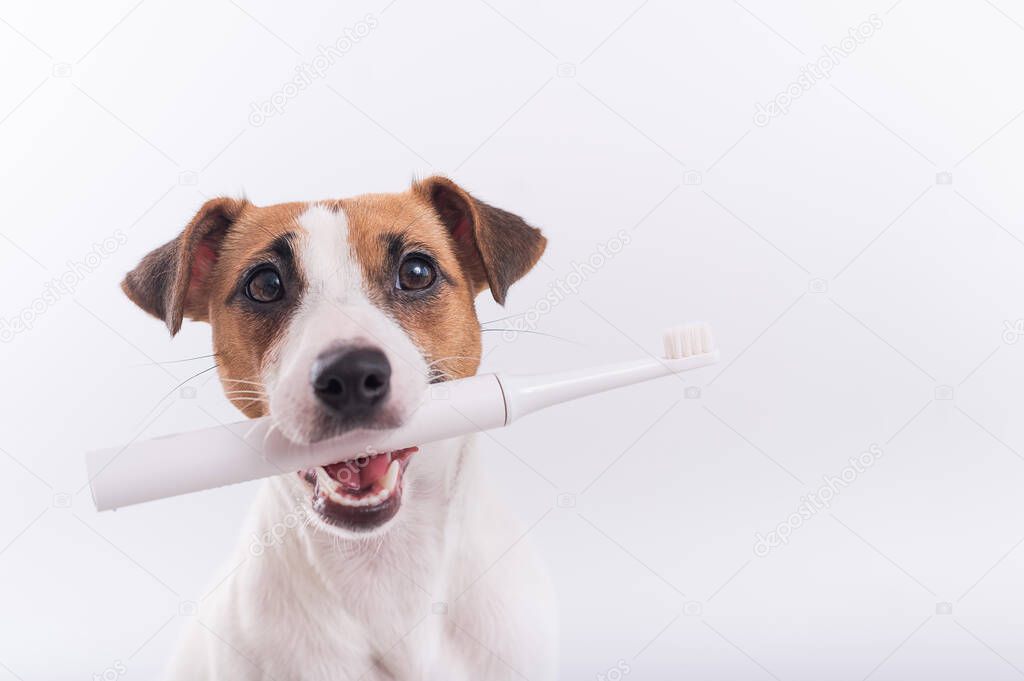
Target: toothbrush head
{"x": 687, "y": 340}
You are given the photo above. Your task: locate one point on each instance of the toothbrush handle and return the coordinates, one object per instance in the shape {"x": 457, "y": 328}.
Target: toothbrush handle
{"x": 237, "y": 452}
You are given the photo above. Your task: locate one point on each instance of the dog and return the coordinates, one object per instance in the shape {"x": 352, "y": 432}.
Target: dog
{"x": 336, "y": 315}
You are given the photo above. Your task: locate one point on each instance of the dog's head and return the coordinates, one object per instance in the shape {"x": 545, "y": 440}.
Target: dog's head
{"x": 336, "y": 315}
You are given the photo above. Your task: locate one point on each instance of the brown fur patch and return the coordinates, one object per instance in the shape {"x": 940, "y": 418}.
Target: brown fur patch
{"x": 242, "y": 339}
{"x": 444, "y": 326}
{"x": 496, "y": 247}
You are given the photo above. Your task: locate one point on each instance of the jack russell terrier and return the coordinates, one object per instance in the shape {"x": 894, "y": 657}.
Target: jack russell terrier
{"x": 334, "y": 315}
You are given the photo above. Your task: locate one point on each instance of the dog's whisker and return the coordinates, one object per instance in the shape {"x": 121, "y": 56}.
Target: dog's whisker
{"x": 538, "y": 333}
{"x": 270, "y": 430}
{"x": 175, "y": 389}
{"x": 249, "y": 398}
{"x": 246, "y": 401}
{"x": 242, "y": 380}
{"x": 441, "y": 359}
{"x": 175, "y": 361}
{"x": 451, "y": 357}
{"x": 195, "y": 375}
{"x": 503, "y": 319}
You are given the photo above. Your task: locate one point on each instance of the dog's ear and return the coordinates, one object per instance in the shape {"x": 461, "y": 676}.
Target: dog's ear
{"x": 173, "y": 281}
{"x": 495, "y": 247}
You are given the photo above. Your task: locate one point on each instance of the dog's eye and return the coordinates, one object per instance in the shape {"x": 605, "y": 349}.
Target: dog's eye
{"x": 415, "y": 274}
{"x": 264, "y": 286}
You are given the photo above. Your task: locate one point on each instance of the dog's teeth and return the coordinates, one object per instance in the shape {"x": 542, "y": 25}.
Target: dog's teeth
{"x": 387, "y": 482}
{"x": 383, "y": 488}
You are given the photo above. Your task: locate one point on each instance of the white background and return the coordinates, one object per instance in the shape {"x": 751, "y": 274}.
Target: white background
{"x": 845, "y": 284}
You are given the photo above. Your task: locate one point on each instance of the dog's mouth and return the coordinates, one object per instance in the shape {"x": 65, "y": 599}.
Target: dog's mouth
{"x": 361, "y": 494}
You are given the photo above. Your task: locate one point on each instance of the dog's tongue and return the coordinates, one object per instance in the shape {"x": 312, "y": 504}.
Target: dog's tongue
{"x": 359, "y": 473}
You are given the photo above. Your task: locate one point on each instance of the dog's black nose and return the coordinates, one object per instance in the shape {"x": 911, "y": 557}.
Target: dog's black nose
{"x": 351, "y": 382}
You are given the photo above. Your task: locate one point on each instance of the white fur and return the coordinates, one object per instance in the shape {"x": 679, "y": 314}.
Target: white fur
{"x": 336, "y": 311}
{"x": 448, "y": 589}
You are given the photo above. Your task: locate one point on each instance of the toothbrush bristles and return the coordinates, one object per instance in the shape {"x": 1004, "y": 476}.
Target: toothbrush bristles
{"x": 686, "y": 340}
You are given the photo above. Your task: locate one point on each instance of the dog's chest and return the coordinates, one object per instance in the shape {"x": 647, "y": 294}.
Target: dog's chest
{"x": 357, "y": 629}
{"x": 375, "y": 611}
